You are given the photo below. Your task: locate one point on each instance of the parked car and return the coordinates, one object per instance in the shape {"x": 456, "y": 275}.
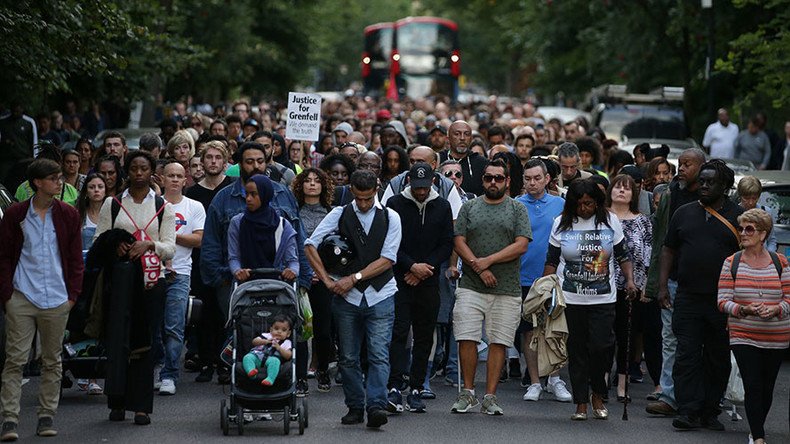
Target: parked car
{"x": 776, "y": 200}
{"x": 564, "y": 114}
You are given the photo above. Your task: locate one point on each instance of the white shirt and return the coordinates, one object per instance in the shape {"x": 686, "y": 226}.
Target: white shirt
{"x": 389, "y": 250}
{"x": 721, "y": 140}
{"x": 190, "y": 216}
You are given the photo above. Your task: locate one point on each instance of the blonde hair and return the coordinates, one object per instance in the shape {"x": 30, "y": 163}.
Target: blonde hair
{"x": 217, "y": 145}
{"x": 749, "y": 186}
{"x": 760, "y": 218}
{"x": 181, "y": 136}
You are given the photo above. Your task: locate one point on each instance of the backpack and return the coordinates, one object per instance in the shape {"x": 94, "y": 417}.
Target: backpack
{"x": 736, "y": 260}
{"x": 158, "y": 203}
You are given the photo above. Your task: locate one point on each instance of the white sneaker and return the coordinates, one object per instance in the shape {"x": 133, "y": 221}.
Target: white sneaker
{"x": 561, "y": 393}
{"x": 157, "y": 382}
{"x": 533, "y": 392}
{"x": 168, "y": 387}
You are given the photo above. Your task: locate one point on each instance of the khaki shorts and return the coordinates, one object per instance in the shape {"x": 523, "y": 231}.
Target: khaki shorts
{"x": 501, "y": 314}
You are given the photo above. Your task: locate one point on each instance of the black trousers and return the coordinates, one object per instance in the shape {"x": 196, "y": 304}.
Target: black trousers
{"x": 590, "y": 344}
{"x": 759, "y": 368}
{"x": 702, "y": 359}
{"x": 139, "y": 391}
{"x": 645, "y": 319}
{"x": 209, "y": 330}
{"x": 321, "y": 302}
{"x": 415, "y": 307}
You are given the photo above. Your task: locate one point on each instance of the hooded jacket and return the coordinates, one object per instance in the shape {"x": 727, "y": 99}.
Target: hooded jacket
{"x": 427, "y": 229}
{"x": 398, "y": 125}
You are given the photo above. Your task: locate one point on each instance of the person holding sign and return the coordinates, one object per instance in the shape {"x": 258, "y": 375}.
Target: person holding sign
{"x": 585, "y": 241}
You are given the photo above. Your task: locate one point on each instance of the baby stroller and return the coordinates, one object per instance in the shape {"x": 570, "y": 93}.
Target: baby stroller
{"x": 253, "y": 305}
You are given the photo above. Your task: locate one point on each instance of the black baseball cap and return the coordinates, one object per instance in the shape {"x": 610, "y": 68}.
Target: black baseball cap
{"x": 439, "y": 128}
{"x": 634, "y": 171}
{"x": 421, "y": 175}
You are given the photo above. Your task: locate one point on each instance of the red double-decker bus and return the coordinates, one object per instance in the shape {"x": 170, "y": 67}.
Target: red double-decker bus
{"x": 425, "y": 58}
{"x": 376, "y": 58}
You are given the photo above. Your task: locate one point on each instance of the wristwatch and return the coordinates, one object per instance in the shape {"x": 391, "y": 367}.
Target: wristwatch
{"x": 358, "y": 277}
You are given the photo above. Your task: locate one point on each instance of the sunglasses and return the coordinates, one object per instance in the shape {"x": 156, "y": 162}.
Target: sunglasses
{"x": 457, "y": 174}
{"x": 747, "y": 230}
{"x": 492, "y": 178}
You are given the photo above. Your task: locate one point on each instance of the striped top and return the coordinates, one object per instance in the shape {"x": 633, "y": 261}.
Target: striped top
{"x": 771, "y": 333}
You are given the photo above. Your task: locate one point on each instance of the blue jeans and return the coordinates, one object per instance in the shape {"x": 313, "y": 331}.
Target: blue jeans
{"x": 375, "y": 325}
{"x": 669, "y": 345}
{"x": 169, "y": 339}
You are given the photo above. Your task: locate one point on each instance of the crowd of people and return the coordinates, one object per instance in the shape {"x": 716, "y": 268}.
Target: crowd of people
{"x": 455, "y": 215}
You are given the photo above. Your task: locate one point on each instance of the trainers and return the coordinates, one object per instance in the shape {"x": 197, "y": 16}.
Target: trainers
{"x": 515, "y": 368}
{"x": 415, "y": 402}
{"x": 490, "y": 406}
{"x": 311, "y": 373}
{"x": 533, "y": 392}
{"x": 45, "y": 427}
{"x": 157, "y": 382}
{"x": 452, "y": 382}
{"x": 167, "y": 387}
{"x": 302, "y": 389}
{"x": 82, "y": 384}
{"x": 205, "y": 375}
{"x": 9, "y": 432}
{"x": 95, "y": 389}
{"x": 526, "y": 381}
{"x": 465, "y": 401}
{"x": 323, "y": 380}
{"x": 394, "y": 401}
{"x": 427, "y": 394}
{"x": 561, "y": 393}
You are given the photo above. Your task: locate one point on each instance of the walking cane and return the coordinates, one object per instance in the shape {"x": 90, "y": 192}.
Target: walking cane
{"x": 627, "y": 357}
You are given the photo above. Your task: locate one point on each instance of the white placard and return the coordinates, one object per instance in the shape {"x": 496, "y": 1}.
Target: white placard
{"x": 304, "y": 117}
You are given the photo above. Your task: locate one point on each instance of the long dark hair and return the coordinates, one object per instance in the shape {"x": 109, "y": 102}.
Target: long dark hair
{"x": 516, "y": 171}
{"x": 403, "y": 161}
{"x": 327, "y": 187}
{"x": 82, "y": 200}
{"x": 629, "y": 183}
{"x": 576, "y": 190}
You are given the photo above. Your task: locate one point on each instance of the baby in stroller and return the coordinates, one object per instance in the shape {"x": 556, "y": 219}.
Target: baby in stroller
{"x": 269, "y": 350}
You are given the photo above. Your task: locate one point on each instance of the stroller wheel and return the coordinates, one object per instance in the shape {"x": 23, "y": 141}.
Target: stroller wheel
{"x": 286, "y": 420}
{"x": 304, "y": 409}
{"x": 240, "y": 420}
{"x": 223, "y": 417}
{"x": 301, "y": 418}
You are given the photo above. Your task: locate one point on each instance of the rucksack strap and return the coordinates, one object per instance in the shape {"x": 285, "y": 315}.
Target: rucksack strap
{"x": 736, "y": 261}
{"x": 115, "y": 208}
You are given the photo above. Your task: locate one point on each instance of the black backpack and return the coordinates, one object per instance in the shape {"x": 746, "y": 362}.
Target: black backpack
{"x": 736, "y": 260}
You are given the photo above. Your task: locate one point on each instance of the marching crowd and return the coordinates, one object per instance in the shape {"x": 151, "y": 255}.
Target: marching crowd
{"x": 450, "y": 221}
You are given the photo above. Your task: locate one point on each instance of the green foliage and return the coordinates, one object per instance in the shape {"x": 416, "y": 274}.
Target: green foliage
{"x": 96, "y": 46}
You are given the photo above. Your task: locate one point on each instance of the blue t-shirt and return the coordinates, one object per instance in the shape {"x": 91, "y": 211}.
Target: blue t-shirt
{"x": 542, "y": 213}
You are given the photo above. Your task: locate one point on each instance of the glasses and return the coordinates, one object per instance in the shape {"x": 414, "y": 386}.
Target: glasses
{"x": 57, "y": 179}
{"x": 747, "y": 230}
{"x": 492, "y": 178}
{"x": 450, "y": 174}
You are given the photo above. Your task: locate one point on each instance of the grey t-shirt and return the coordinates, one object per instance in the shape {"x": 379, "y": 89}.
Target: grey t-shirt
{"x": 489, "y": 229}
{"x": 754, "y": 147}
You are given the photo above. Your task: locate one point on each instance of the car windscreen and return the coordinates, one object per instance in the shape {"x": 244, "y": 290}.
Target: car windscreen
{"x": 776, "y": 200}
{"x": 644, "y": 122}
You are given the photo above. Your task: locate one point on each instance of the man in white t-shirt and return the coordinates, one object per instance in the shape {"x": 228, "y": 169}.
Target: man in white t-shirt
{"x": 720, "y": 137}
{"x": 190, "y": 218}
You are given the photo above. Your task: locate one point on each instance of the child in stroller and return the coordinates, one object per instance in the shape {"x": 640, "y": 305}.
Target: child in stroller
{"x": 269, "y": 350}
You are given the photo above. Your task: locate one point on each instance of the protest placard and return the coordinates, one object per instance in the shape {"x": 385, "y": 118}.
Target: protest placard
{"x": 304, "y": 116}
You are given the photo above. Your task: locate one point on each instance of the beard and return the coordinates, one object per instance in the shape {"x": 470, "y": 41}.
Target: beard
{"x": 245, "y": 177}
{"x": 460, "y": 149}
{"x": 494, "y": 193}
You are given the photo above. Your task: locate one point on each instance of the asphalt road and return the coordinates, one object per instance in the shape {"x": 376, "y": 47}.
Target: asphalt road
{"x": 192, "y": 415}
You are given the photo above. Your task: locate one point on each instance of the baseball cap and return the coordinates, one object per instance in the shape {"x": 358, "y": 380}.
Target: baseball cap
{"x": 384, "y": 114}
{"x": 420, "y": 175}
{"x": 253, "y": 123}
{"x": 439, "y": 128}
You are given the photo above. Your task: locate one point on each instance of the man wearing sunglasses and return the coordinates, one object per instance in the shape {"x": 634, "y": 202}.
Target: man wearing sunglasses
{"x": 491, "y": 234}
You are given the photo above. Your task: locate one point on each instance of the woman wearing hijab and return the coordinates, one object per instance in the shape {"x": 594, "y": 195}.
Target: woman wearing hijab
{"x": 259, "y": 238}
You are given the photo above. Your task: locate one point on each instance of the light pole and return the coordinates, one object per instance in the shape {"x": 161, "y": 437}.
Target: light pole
{"x": 708, "y": 5}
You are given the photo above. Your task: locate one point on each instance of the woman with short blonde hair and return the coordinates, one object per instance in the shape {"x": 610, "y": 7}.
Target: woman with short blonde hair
{"x": 754, "y": 290}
